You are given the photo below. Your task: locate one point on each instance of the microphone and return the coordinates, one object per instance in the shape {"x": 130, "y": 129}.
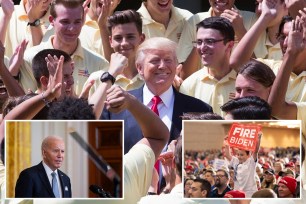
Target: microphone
{"x": 99, "y": 191}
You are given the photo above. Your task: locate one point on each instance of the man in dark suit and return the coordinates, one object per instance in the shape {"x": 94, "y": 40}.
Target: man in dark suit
{"x": 45, "y": 180}
{"x": 156, "y": 62}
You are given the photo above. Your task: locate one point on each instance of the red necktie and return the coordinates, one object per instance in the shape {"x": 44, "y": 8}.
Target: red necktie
{"x": 156, "y": 100}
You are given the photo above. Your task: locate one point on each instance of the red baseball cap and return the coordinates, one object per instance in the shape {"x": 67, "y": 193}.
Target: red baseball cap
{"x": 234, "y": 194}
{"x": 290, "y": 183}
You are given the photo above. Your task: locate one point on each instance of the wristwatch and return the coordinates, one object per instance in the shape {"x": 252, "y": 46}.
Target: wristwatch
{"x": 107, "y": 76}
{"x": 35, "y": 23}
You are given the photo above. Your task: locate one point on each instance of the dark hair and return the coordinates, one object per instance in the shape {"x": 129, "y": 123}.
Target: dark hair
{"x": 66, "y": 3}
{"x": 201, "y": 116}
{"x": 178, "y": 156}
{"x": 285, "y": 20}
{"x": 223, "y": 25}
{"x": 246, "y": 151}
{"x": 259, "y": 72}
{"x": 39, "y": 64}
{"x": 71, "y": 108}
{"x": 12, "y": 102}
{"x": 205, "y": 185}
{"x": 124, "y": 17}
{"x": 4, "y": 94}
{"x": 224, "y": 171}
{"x": 248, "y": 108}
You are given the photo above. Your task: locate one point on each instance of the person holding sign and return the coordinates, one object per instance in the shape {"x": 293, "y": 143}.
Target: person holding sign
{"x": 244, "y": 164}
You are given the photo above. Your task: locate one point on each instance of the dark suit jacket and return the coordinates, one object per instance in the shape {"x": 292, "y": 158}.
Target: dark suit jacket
{"x": 132, "y": 131}
{"x": 33, "y": 183}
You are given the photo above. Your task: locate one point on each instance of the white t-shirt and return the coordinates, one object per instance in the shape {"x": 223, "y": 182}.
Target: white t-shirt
{"x": 245, "y": 176}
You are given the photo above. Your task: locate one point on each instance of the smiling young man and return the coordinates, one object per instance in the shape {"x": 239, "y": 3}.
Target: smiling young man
{"x": 216, "y": 80}
{"x": 67, "y": 17}
{"x": 162, "y": 19}
{"x": 296, "y": 89}
{"x": 125, "y": 28}
{"x": 40, "y": 181}
{"x": 241, "y": 21}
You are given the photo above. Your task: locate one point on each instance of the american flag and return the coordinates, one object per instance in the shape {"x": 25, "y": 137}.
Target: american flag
{"x": 83, "y": 72}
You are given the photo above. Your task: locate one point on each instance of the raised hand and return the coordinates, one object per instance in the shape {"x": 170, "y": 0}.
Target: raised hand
{"x": 17, "y": 58}
{"x": 117, "y": 99}
{"x": 118, "y": 63}
{"x": 85, "y": 7}
{"x": 55, "y": 81}
{"x": 295, "y": 43}
{"x": 7, "y": 7}
{"x": 35, "y": 10}
{"x": 177, "y": 79}
{"x": 85, "y": 91}
{"x": 237, "y": 21}
{"x": 103, "y": 12}
{"x": 269, "y": 8}
{"x": 303, "y": 21}
{"x": 52, "y": 62}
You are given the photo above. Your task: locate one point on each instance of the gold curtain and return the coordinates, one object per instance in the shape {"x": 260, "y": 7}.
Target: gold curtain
{"x": 18, "y": 152}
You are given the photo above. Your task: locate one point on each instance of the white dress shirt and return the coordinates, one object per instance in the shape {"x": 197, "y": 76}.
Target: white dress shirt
{"x": 49, "y": 172}
{"x": 165, "y": 108}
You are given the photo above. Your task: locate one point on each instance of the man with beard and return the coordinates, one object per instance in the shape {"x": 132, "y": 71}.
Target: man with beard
{"x": 221, "y": 184}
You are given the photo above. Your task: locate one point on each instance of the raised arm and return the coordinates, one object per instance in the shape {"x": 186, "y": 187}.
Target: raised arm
{"x": 255, "y": 153}
{"x": 280, "y": 108}
{"x": 227, "y": 150}
{"x": 244, "y": 50}
{"x": 155, "y": 132}
{"x": 12, "y": 86}
{"x": 34, "y": 13}
{"x": 17, "y": 58}
{"x": 118, "y": 63}
{"x": 8, "y": 8}
{"x": 237, "y": 22}
{"x": 108, "y": 8}
{"x": 29, "y": 108}
{"x": 191, "y": 64}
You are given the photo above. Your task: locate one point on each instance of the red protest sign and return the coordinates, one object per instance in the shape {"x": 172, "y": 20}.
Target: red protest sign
{"x": 243, "y": 136}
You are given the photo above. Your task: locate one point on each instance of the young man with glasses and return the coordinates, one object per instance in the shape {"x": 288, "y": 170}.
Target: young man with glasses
{"x": 216, "y": 80}
{"x": 241, "y": 21}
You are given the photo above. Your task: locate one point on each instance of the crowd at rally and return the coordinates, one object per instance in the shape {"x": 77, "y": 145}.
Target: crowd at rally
{"x": 273, "y": 167}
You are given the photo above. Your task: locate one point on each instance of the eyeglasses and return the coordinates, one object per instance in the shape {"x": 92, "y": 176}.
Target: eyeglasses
{"x": 209, "y": 42}
{"x": 220, "y": 176}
